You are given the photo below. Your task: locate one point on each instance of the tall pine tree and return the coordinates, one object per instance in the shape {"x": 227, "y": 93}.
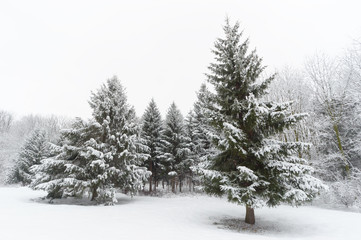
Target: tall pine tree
{"x": 120, "y": 139}
{"x": 198, "y": 124}
{"x": 151, "y": 133}
{"x": 99, "y": 156}
{"x": 175, "y": 147}
{"x": 199, "y": 132}
{"x": 252, "y": 168}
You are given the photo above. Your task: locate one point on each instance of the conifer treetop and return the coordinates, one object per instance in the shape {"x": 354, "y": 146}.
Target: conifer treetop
{"x": 109, "y": 103}
{"x": 237, "y": 71}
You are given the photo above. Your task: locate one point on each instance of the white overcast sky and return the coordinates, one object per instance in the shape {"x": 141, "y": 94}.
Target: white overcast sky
{"x": 54, "y": 53}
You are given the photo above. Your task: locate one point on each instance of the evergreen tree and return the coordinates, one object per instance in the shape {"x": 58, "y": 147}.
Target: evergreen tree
{"x": 199, "y": 131}
{"x": 252, "y": 168}
{"x": 35, "y": 149}
{"x": 76, "y": 169}
{"x": 99, "y": 156}
{"x": 175, "y": 147}
{"x": 151, "y": 133}
{"x": 120, "y": 138}
{"x": 198, "y": 124}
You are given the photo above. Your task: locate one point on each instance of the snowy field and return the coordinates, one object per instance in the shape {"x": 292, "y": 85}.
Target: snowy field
{"x": 24, "y": 216}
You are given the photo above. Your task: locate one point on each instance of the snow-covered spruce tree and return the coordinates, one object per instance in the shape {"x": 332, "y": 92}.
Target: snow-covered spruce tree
{"x": 175, "y": 148}
{"x": 100, "y": 156}
{"x": 199, "y": 131}
{"x": 35, "y": 148}
{"x": 120, "y": 138}
{"x": 197, "y": 124}
{"x": 194, "y": 145}
{"x": 71, "y": 171}
{"x": 151, "y": 133}
{"x": 252, "y": 168}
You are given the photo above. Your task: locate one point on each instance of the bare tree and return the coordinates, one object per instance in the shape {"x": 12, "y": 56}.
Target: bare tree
{"x": 6, "y": 120}
{"x": 352, "y": 70}
{"x": 291, "y": 85}
{"x": 330, "y": 85}
{"x": 50, "y": 124}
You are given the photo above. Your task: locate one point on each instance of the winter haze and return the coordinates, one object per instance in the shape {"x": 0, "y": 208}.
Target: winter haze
{"x": 54, "y": 53}
{"x": 180, "y": 120}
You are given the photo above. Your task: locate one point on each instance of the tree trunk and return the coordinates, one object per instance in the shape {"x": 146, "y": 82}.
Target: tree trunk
{"x": 173, "y": 184}
{"x": 94, "y": 193}
{"x": 150, "y": 184}
{"x": 190, "y": 184}
{"x": 250, "y": 218}
{"x": 150, "y": 178}
{"x": 339, "y": 144}
{"x": 155, "y": 178}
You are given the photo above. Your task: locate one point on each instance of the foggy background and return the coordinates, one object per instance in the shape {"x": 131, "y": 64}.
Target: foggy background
{"x": 54, "y": 53}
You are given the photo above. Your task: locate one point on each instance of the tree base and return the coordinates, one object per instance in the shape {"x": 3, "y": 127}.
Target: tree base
{"x": 250, "y": 218}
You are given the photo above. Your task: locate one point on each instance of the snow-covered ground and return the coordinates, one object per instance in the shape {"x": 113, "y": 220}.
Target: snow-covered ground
{"x": 23, "y": 216}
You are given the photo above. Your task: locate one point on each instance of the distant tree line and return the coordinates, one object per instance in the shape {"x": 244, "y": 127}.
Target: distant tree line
{"x": 329, "y": 89}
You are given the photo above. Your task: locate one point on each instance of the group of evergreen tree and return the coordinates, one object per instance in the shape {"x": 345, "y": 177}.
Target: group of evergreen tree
{"x": 227, "y": 142}
{"x": 168, "y": 146}
{"x": 95, "y": 157}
